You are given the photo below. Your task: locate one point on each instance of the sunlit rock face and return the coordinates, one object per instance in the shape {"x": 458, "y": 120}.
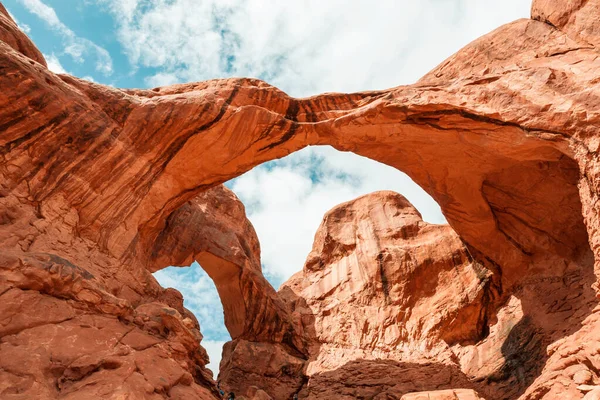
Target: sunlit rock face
{"x": 389, "y": 305}
{"x": 100, "y": 186}
{"x": 384, "y": 291}
{"x": 12, "y": 36}
{"x": 382, "y": 295}
{"x": 456, "y": 394}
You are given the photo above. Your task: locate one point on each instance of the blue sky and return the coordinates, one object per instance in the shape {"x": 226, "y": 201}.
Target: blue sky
{"x": 304, "y": 47}
{"x": 88, "y": 20}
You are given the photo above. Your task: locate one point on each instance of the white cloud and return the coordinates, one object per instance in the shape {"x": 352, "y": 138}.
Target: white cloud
{"x": 161, "y": 79}
{"x": 78, "y": 48}
{"x": 54, "y": 64}
{"x": 214, "y": 348}
{"x": 45, "y": 12}
{"x": 287, "y": 199}
{"x": 304, "y": 47}
{"x": 24, "y": 27}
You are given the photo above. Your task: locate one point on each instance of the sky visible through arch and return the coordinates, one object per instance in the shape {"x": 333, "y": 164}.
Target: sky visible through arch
{"x": 304, "y": 47}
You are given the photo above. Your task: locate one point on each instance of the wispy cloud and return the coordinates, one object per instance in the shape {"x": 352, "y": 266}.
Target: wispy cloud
{"x": 286, "y": 200}
{"x": 77, "y": 47}
{"x": 162, "y": 79}
{"x": 24, "y": 27}
{"x": 304, "y": 47}
{"x": 54, "y": 64}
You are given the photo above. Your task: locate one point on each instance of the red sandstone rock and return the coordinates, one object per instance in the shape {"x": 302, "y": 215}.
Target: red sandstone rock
{"x": 15, "y": 38}
{"x": 383, "y": 289}
{"x": 212, "y": 229}
{"x": 97, "y": 185}
{"x": 457, "y": 394}
{"x": 64, "y": 334}
{"x": 390, "y": 305}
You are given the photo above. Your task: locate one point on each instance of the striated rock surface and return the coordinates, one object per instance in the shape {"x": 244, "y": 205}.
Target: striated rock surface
{"x": 456, "y": 394}
{"x": 388, "y": 305}
{"x": 84, "y": 325}
{"x": 15, "y": 38}
{"x": 100, "y": 186}
{"x": 212, "y": 229}
{"x": 381, "y": 298}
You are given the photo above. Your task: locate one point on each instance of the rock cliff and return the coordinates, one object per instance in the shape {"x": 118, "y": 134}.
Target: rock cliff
{"x": 389, "y": 305}
{"x": 100, "y": 186}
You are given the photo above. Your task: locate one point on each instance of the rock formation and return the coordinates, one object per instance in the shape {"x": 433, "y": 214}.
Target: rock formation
{"x": 381, "y": 295}
{"x": 84, "y": 325}
{"x": 389, "y": 305}
{"x": 100, "y": 186}
{"x": 459, "y": 394}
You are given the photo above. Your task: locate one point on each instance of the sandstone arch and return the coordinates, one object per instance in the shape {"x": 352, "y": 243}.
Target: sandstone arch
{"x": 93, "y": 174}
{"x": 431, "y": 130}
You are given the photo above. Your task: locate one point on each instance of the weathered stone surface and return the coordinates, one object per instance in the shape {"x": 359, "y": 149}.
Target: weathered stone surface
{"x": 212, "y": 229}
{"x": 65, "y": 334}
{"x": 274, "y": 368}
{"x": 456, "y": 394}
{"x": 578, "y": 18}
{"x": 388, "y": 305}
{"x": 97, "y": 186}
{"x": 15, "y": 38}
{"x": 381, "y": 296}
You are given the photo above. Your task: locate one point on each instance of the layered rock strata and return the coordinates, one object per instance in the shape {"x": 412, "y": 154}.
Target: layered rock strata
{"x": 389, "y": 305}
{"x": 97, "y": 186}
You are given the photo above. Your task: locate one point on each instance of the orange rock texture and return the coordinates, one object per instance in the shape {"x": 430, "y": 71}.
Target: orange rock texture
{"x": 388, "y": 305}
{"x": 100, "y": 186}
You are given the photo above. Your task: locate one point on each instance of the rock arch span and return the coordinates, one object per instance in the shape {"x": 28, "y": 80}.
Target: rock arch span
{"x": 502, "y": 135}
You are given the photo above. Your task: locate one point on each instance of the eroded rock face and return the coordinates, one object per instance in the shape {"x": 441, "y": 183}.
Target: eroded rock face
{"x": 97, "y": 186}
{"x": 383, "y": 289}
{"x": 15, "y": 38}
{"x": 380, "y": 295}
{"x": 213, "y": 229}
{"x": 389, "y": 305}
{"x": 455, "y": 394}
{"x": 89, "y": 326}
